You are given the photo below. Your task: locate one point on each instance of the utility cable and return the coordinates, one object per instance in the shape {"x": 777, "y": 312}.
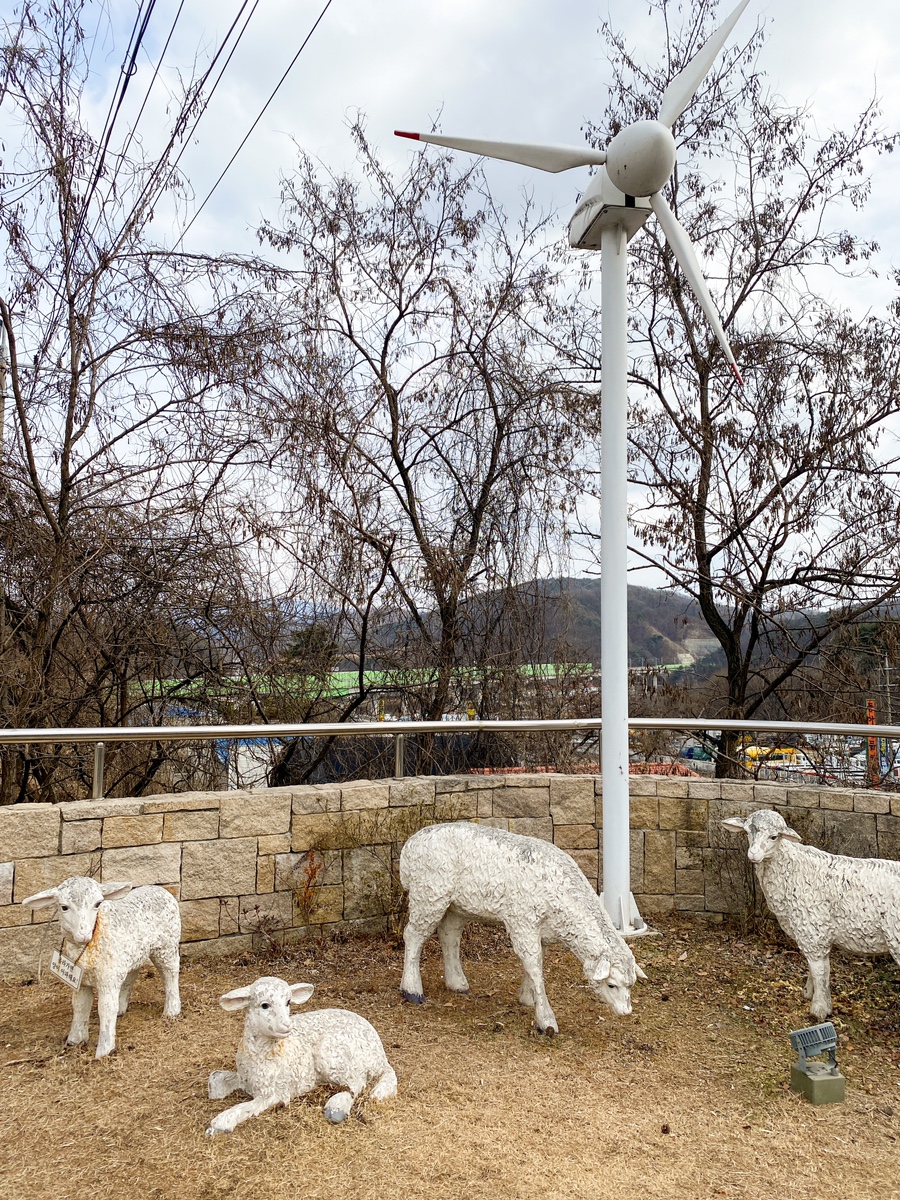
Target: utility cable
{"x": 112, "y": 101}
{"x": 256, "y": 122}
{"x": 124, "y": 151}
{"x": 154, "y": 180}
{"x": 159, "y": 63}
{"x": 128, "y": 69}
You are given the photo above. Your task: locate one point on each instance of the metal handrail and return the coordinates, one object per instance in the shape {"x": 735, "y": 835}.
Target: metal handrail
{"x": 399, "y": 729}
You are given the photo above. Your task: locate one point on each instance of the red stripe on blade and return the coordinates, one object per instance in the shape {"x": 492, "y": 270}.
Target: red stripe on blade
{"x": 399, "y": 133}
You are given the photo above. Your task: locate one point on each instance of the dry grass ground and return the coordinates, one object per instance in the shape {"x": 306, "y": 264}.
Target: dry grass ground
{"x": 688, "y": 1097}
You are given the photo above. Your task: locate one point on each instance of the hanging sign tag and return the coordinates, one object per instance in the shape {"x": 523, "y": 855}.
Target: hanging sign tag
{"x": 63, "y": 968}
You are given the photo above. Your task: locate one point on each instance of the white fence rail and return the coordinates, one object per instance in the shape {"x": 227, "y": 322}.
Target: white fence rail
{"x": 100, "y": 737}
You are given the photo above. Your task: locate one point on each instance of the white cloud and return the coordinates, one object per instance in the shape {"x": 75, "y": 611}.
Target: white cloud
{"x": 514, "y": 69}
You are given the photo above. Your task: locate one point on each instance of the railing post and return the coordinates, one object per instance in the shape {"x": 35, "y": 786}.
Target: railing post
{"x": 399, "y": 748}
{"x": 99, "y": 760}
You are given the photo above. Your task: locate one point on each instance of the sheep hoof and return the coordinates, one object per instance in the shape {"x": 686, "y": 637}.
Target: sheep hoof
{"x": 548, "y": 1032}
{"x": 412, "y": 997}
{"x": 338, "y": 1108}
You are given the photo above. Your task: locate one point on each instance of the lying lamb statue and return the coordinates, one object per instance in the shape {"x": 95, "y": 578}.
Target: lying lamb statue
{"x": 459, "y": 872}
{"x": 110, "y": 931}
{"x": 281, "y": 1056}
{"x": 823, "y": 900}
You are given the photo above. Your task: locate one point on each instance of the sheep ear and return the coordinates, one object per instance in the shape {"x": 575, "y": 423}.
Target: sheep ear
{"x": 42, "y": 899}
{"x": 638, "y": 972}
{"x": 602, "y": 972}
{"x": 233, "y": 1001}
{"x": 115, "y": 891}
{"x": 791, "y": 834}
{"x": 301, "y": 992}
{"x": 734, "y": 823}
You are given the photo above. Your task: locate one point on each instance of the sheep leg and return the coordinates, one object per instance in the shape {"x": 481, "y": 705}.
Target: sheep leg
{"x": 125, "y": 993}
{"x": 222, "y": 1084}
{"x": 165, "y": 959}
{"x": 422, "y": 923}
{"x": 107, "y": 1011}
{"x": 527, "y": 947}
{"x": 81, "y": 1015}
{"x": 449, "y": 933}
{"x": 820, "y": 974}
{"x": 386, "y": 1087}
{"x": 228, "y": 1120}
{"x": 338, "y": 1107}
{"x": 526, "y": 995}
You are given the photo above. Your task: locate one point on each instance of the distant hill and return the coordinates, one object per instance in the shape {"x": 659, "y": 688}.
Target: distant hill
{"x": 663, "y": 626}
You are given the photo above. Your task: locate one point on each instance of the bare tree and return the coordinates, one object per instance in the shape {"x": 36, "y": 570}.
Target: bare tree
{"x": 124, "y": 359}
{"x": 427, "y": 428}
{"x": 775, "y": 508}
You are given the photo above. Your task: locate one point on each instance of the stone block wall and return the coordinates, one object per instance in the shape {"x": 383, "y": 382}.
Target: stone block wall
{"x": 261, "y": 867}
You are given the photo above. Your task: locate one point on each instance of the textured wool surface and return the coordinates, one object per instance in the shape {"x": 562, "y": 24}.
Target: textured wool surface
{"x": 688, "y": 1097}
{"x": 111, "y": 940}
{"x": 460, "y": 871}
{"x": 823, "y": 900}
{"x": 282, "y": 1055}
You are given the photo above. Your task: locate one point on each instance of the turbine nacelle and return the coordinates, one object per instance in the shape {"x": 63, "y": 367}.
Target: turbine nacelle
{"x": 641, "y": 157}
{"x": 603, "y": 204}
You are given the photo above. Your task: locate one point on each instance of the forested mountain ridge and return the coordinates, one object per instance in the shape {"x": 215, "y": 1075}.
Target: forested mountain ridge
{"x": 663, "y": 626}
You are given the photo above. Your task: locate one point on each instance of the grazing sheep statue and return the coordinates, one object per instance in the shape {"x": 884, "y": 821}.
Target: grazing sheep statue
{"x": 823, "y": 900}
{"x": 110, "y": 931}
{"x": 459, "y": 872}
{"x": 281, "y": 1056}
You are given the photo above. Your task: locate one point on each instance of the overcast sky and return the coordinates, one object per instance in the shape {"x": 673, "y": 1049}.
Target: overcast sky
{"x": 518, "y": 70}
{"x": 512, "y": 69}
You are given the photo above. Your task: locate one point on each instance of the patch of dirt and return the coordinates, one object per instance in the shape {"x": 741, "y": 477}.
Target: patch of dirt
{"x": 688, "y": 1097}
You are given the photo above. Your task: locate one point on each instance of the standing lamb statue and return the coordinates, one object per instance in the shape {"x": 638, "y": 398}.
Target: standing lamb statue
{"x": 110, "y": 931}
{"x": 823, "y": 900}
{"x": 281, "y": 1056}
{"x": 461, "y": 872}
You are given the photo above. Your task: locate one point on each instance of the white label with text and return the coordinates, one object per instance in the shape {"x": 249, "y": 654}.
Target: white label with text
{"x": 63, "y": 968}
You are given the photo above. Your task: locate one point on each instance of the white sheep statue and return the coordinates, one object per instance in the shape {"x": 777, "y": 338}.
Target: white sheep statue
{"x": 110, "y": 931}
{"x": 823, "y": 900}
{"x": 282, "y": 1056}
{"x": 460, "y": 871}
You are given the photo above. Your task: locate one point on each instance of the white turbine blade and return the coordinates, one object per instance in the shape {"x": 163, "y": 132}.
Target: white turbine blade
{"x": 677, "y": 237}
{"x": 545, "y": 158}
{"x": 680, "y": 91}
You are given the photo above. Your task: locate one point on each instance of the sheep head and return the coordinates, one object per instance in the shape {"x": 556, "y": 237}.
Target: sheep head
{"x": 78, "y": 900}
{"x": 612, "y": 984}
{"x": 267, "y": 1005}
{"x": 765, "y": 830}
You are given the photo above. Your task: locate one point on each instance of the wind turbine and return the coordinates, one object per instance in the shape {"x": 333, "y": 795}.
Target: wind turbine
{"x": 633, "y": 170}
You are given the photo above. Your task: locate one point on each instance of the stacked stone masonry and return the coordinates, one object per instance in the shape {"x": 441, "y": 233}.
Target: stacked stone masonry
{"x": 256, "y": 868}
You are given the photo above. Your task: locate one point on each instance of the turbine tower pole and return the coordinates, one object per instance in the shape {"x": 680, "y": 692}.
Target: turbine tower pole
{"x": 617, "y": 898}
{"x": 634, "y": 169}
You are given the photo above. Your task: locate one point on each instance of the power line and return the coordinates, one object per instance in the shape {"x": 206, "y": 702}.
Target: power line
{"x": 123, "y": 152}
{"x": 159, "y": 62}
{"x": 112, "y": 99}
{"x": 218, "y": 79}
{"x": 128, "y": 69}
{"x": 179, "y": 129}
{"x": 256, "y": 122}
